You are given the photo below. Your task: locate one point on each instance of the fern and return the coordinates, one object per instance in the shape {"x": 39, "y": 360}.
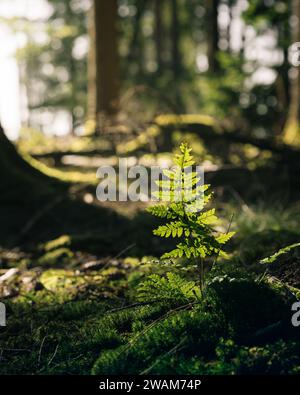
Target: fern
{"x": 185, "y": 215}
{"x": 169, "y": 288}
{"x": 282, "y": 251}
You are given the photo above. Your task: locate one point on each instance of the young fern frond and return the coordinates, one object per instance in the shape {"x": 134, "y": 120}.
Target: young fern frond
{"x": 189, "y": 222}
{"x": 184, "y": 212}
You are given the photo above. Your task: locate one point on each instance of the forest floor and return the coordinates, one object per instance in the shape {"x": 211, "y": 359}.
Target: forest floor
{"x": 70, "y": 268}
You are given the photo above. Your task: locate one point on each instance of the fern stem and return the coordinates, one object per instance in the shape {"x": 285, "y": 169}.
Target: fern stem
{"x": 199, "y": 264}
{"x": 202, "y": 275}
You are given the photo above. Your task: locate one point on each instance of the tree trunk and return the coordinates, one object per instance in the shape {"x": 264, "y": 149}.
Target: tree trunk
{"x": 212, "y": 35}
{"x": 10, "y": 160}
{"x": 292, "y": 129}
{"x": 14, "y": 170}
{"x": 159, "y": 34}
{"x": 136, "y": 46}
{"x": 103, "y": 61}
{"x": 176, "y": 61}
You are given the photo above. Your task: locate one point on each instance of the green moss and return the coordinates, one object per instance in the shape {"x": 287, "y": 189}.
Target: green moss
{"x": 56, "y": 258}
{"x": 60, "y": 279}
{"x": 186, "y": 331}
{"x": 247, "y": 304}
{"x": 57, "y": 339}
{"x": 62, "y": 241}
{"x": 58, "y": 330}
{"x": 279, "y": 358}
{"x": 187, "y": 341}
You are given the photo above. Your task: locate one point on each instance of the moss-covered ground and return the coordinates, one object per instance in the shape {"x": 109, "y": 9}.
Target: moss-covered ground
{"x": 73, "y": 310}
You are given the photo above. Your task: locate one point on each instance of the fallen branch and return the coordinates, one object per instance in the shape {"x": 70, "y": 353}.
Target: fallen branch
{"x": 207, "y": 133}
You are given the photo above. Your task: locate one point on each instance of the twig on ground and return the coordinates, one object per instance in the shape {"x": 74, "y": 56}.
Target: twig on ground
{"x": 53, "y": 356}
{"x": 40, "y": 350}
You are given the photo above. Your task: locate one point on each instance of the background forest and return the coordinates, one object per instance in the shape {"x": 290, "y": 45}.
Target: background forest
{"x": 88, "y": 286}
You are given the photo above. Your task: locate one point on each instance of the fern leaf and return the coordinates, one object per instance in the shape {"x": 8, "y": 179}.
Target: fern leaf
{"x": 160, "y": 211}
{"x": 223, "y": 238}
{"x": 208, "y": 217}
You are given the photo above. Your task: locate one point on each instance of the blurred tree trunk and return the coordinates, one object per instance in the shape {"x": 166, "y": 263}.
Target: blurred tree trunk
{"x": 68, "y": 47}
{"x": 212, "y": 34}
{"x": 282, "y": 84}
{"x": 73, "y": 92}
{"x": 292, "y": 129}
{"x": 103, "y": 61}
{"x": 136, "y": 45}
{"x": 176, "y": 61}
{"x": 159, "y": 34}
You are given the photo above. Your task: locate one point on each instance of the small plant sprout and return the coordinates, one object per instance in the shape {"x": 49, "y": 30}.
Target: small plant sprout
{"x": 185, "y": 216}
